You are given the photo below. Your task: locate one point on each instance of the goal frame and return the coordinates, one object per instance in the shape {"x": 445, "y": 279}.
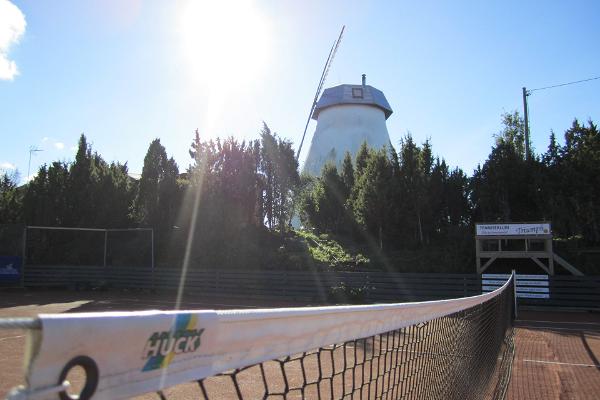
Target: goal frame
{"x": 106, "y": 232}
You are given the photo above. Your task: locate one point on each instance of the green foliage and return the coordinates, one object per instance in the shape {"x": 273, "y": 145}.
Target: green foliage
{"x": 410, "y": 201}
{"x": 513, "y": 133}
{"x": 343, "y": 294}
{"x": 279, "y": 170}
{"x": 347, "y": 175}
{"x": 372, "y": 200}
{"x": 157, "y": 197}
{"x": 390, "y": 201}
{"x": 240, "y": 196}
{"x": 504, "y": 188}
{"x": 328, "y": 197}
{"x": 87, "y": 193}
{"x": 403, "y": 209}
{"x": 569, "y": 183}
{"x": 10, "y": 199}
{"x": 327, "y": 251}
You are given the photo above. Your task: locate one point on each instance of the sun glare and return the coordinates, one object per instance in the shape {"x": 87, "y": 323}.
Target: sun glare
{"x": 225, "y": 43}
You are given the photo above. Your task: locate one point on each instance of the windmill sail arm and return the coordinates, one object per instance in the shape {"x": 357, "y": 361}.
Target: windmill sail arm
{"x": 324, "y": 74}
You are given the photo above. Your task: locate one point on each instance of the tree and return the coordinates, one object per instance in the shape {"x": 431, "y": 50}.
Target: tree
{"x": 306, "y": 208}
{"x": 411, "y": 181}
{"x": 361, "y": 159}
{"x": 279, "y": 170}
{"x": 80, "y": 182}
{"x": 156, "y": 200}
{"x": 347, "y": 175}
{"x": 373, "y": 201}
{"x": 513, "y": 133}
{"x": 47, "y": 198}
{"x": 505, "y": 187}
{"x": 580, "y": 184}
{"x": 328, "y": 200}
{"x": 10, "y": 199}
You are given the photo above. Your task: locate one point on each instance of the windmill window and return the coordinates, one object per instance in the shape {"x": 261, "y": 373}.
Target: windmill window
{"x": 357, "y": 93}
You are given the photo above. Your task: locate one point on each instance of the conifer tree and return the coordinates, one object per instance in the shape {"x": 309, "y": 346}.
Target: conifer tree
{"x": 347, "y": 175}
{"x": 372, "y": 203}
{"x": 155, "y": 204}
{"x": 10, "y": 199}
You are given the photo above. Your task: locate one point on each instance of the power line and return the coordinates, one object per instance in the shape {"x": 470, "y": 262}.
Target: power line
{"x": 526, "y": 94}
{"x": 564, "y": 84}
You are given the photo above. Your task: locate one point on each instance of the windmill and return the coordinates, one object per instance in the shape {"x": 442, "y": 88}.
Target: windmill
{"x": 330, "y": 58}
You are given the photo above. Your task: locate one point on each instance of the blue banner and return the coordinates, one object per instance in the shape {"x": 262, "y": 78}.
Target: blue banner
{"x": 10, "y": 269}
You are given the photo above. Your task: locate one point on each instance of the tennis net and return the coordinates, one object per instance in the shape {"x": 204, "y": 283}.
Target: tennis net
{"x": 449, "y": 349}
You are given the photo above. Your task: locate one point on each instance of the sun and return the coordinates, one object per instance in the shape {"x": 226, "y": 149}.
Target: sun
{"x": 225, "y": 43}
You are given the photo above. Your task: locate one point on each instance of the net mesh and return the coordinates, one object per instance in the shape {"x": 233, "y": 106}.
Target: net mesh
{"x": 464, "y": 355}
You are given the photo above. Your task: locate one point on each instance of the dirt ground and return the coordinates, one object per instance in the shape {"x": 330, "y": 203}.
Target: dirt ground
{"x": 557, "y": 354}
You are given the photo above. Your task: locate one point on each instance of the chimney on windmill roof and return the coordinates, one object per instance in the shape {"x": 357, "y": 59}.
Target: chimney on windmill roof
{"x": 364, "y": 79}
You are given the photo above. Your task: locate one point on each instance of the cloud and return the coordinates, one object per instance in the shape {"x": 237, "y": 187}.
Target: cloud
{"x": 45, "y": 139}
{"x": 12, "y": 27}
{"x": 7, "y": 166}
{"x": 59, "y": 145}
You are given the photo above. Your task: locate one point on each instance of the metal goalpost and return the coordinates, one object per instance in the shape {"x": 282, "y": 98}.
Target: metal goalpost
{"x": 105, "y": 245}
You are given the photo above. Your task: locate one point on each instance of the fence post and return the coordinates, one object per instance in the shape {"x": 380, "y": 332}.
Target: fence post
{"x": 105, "y": 246}
{"x": 152, "y": 260}
{"x": 24, "y": 258}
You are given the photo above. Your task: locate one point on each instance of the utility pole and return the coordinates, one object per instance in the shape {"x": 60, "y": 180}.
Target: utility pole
{"x": 526, "y": 117}
{"x": 526, "y": 93}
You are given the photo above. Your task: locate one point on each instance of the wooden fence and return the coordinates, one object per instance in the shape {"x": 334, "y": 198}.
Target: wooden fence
{"x": 325, "y": 287}
{"x": 565, "y": 291}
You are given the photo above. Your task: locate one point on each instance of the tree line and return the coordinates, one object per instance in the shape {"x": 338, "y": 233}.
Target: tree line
{"x": 236, "y": 200}
{"x": 393, "y": 201}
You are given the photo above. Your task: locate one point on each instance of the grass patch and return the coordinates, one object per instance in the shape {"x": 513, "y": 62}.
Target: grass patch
{"x": 326, "y": 250}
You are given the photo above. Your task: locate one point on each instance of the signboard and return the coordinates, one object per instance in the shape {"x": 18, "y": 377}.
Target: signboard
{"x": 528, "y": 286}
{"x": 513, "y": 229}
{"x": 10, "y": 269}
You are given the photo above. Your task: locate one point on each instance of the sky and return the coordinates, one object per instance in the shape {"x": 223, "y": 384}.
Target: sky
{"x": 127, "y": 72}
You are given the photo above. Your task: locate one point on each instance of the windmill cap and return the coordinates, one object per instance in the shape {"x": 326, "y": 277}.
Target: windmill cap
{"x": 353, "y": 94}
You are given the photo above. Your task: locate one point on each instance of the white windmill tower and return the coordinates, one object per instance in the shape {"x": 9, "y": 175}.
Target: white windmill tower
{"x": 347, "y": 116}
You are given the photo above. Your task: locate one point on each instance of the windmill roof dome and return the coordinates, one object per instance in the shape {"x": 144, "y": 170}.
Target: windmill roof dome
{"x": 353, "y": 94}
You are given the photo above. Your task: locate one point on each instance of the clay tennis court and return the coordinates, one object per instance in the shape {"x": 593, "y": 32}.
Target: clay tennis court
{"x": 556, "y": 354}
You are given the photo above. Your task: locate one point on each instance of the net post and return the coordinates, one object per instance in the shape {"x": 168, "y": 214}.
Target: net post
{"x": 514, "y": 279}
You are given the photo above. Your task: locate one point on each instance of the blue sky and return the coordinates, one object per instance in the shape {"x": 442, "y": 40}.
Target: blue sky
{"x": 125, "y": 73}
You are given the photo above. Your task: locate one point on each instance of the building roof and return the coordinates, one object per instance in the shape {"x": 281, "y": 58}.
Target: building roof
{"x": 353, "y": 94}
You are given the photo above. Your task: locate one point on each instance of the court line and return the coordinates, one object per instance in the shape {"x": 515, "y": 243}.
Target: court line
{"x": 554, "y": 328}
{"x": 558, "y": 322}
{"x": 11, "y": 337}
{"x": 563, "y": 363}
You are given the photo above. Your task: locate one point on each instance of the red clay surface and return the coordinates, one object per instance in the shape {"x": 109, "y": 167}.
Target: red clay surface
{"x": 557, "y": 354}
{"x": 30, "y": 303}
